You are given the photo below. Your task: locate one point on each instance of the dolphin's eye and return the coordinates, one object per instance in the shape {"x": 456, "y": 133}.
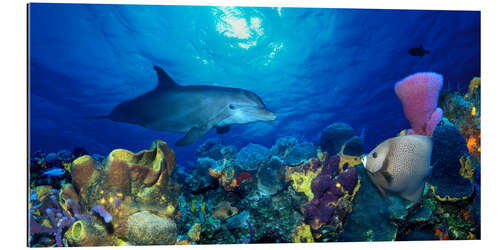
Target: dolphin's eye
{"x": 231, "y": 106}
{"x": 374, "y": 154}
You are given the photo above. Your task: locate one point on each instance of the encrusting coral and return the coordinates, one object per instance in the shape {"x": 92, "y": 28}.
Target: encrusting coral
{"x": 302, "y": 234}
{"x": 453, "y": 171}
{"x": 329, "y": 188}
{"x": 224, "y": 210}
{"x": 464, "y": 111}
{"x": 128, "y": 199}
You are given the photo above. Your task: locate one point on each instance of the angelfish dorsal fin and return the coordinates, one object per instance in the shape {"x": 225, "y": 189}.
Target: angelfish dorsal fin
{"x": 164, "y": 80}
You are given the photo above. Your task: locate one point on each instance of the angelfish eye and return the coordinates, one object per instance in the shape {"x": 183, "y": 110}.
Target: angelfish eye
{"x": 374, "y": 155}
{"x": 231, "y": 106}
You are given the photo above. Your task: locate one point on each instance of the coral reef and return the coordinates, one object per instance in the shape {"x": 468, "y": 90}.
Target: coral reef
{"x": 303, "y": 234}
{"x": 268, "y": 181}
{"x": 225, "y": 174}
{"x": 251, "y": 156}
{"x": 329, "y": 188}
{"x": 216, "y": 149}
{"x": 145, "y": 228}
{"x": 371, "y": 218}
{"x": 127, "y": 199}
{"x": 464, "y": 110}
{"x": 419, "y": 94}
{"x": 194, "y": 232}
{"x": 292, "y": 192}
{"x": 51, "y": 168}
{"x": 335, "y": 136}
{"x": 299, "y": 153}
{"x": 224, "y": 210}
{"x": 452, "y": 172}
{"x": 333, "y": 190}
{"x": 303, "y": 175}
{"x": 282, "y": 146}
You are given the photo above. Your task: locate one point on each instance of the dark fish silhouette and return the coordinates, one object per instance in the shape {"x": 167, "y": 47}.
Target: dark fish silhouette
{"x": 420, "y": 51}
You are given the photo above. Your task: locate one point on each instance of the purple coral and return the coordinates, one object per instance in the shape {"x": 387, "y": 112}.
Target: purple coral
{"x": 35, "y": 227}
{"x": 331, "y": 169}
{"x": 318, "y": 215}
{"x": 327, "y": 191}
{"x": 59, "y": 218}
{"x": 102, "y": 213}
{"x": 348, "y": 179}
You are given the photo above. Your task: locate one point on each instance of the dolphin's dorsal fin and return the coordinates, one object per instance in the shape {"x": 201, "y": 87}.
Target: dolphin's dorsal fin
{"x": 164, "y": 80}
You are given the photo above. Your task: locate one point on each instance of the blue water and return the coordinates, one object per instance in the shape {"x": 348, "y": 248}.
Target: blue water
{"x": 312, "y": 67}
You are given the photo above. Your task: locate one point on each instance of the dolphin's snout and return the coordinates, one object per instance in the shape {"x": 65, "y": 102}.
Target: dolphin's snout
{"x": 273, "y": 116}
{"x": 268, "y": 115}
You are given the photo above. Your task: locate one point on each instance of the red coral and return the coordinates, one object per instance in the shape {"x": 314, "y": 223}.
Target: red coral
{"x": 244, "y": 176}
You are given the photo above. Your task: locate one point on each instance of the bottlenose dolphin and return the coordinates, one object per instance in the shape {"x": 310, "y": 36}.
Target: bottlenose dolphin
{"x": 192, "y": 109}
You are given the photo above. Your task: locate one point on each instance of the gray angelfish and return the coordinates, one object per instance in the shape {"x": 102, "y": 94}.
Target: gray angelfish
{"x": 400, "y": 165}
{"x": 193, "y": 110}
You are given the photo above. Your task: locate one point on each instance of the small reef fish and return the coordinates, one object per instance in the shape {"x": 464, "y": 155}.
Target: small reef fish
{"x": 400, "y": 165}
{"x": 53, "y": 172}
{"x": 420, "y": 51}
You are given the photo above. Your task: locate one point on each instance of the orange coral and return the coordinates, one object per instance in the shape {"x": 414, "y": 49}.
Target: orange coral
{"x": 194, "y": 232}
{"x": 474, "y": 84}
{"x": 82, "y": 170}
{"x": 117, "y": 176}
{"x": 67, "y": 192}
{"x": 225, "y": 176}
{"x": 474, "y": 145}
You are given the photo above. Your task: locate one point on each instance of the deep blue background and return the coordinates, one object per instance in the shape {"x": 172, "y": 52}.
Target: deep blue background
{"x": 312, "y": 67}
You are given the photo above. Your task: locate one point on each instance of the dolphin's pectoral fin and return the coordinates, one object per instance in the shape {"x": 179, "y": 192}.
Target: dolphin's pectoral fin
{"x": 194, "y": 134}
{"x": 222, "y": 130}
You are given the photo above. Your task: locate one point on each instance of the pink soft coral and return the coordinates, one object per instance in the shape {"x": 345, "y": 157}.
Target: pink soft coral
{"x": 419, "y": 95}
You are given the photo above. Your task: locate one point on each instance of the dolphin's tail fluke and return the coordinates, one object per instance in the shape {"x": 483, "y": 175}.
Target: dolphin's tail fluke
{"x": 97, "y": 117}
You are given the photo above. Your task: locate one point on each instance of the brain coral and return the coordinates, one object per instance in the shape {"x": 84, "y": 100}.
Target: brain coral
{"x": 145, "y": 228}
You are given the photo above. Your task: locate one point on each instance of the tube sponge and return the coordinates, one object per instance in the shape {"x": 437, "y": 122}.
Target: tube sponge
{"x": 86, "y": 233}
{"x": 419, "y": 95}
